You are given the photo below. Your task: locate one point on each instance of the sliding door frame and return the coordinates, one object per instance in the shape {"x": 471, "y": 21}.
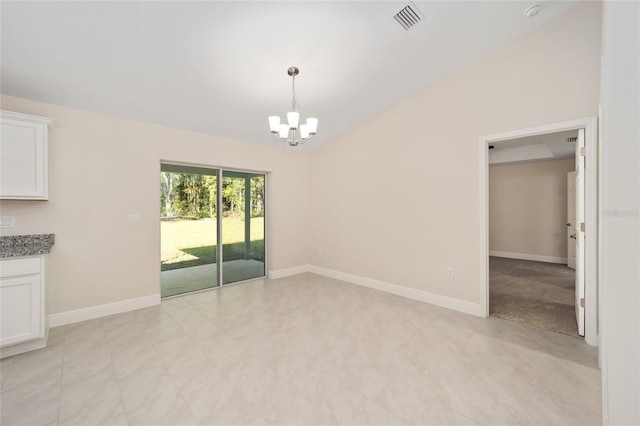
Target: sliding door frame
{"x": 220, "y": 170}
{"x": 219, "y": 248}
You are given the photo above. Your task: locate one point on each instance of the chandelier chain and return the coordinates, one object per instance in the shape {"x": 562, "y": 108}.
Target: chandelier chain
{"x": 294, "y": 100}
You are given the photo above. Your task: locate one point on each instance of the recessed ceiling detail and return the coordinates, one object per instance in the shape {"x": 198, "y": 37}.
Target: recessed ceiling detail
{"x": 550, "y": 146}
{"x": 408, "y": 16}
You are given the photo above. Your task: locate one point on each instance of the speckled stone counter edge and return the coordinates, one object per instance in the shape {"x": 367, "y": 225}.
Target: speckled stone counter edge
{"x": 26, "y": 245}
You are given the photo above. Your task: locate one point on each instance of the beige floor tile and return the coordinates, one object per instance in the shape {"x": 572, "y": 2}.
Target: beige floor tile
{"x": 132, "y": 364}
{"x": 33, "y": 403}
{"x": 154, "y": 399}
{"x": 94, "y": 401}
{"x": 83, "y": 369}
{"x": 415, "y": 408}
{"x": 224, "y": 351}
{"x": 297, "y": 410}
{"x": 128, "y": 341}
{"x": 301, "y": 350}
{"x": 191, "y": 366}
{"x": 265, "y": 391}
{"x": 183, "y": 314}
{"x": 80, "y": 348}
{"x": 43, "y": 366}
{"x": 4, "y": 370}
{"x": 56, "y": 336}
{"x": 167, "y": 412}
{"x": 235, "y": 411}
{"x": 200, "y": 327}
{"x": 209, "y": 394}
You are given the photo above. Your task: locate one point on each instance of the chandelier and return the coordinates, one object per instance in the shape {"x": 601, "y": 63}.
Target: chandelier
{"x": 293, "y": 132}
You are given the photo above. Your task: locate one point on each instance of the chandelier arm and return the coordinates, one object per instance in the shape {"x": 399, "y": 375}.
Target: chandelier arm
{"x": 288, "y": 139}
{"x": 292, "y": 140}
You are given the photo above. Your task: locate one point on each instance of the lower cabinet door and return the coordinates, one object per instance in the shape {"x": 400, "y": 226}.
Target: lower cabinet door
{"x": 21, "y": 309}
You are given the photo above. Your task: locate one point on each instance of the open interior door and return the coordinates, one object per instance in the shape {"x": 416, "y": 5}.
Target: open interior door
{"x": 580, "y": 226}
{"x": 572, "y": 230}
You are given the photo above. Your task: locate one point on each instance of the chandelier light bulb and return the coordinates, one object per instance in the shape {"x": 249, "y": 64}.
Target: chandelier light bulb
{"x": 274, "y": 123}
{"x": 284, "y": 131}
{"x": 294, "y": 119}
{"x": 304, "y": 131}
{"x": 312, "y": 125}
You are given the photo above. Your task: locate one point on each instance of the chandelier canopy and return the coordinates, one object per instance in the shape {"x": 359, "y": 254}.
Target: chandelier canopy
{"x": 293, "y": 132}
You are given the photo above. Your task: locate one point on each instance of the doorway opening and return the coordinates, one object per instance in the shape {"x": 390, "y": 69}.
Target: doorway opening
{"x": 526, "y": 232}
{"x": 530, "y": 280}
{"x": 212, "y": 227}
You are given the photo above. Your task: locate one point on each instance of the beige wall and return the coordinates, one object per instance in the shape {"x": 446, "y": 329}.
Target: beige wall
{"x": 102, "y": 168}
{"x": 620, "y": 221}
{"x": 528, "y": 208}
{"x": 397, "y": 198}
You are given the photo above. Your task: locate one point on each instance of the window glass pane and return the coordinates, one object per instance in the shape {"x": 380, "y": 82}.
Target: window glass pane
{"x": 188, "y": 229}
{"x": 243, "y": 211}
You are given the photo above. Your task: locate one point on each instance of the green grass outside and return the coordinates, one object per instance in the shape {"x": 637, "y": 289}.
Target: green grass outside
{"x": 186, "y": 243}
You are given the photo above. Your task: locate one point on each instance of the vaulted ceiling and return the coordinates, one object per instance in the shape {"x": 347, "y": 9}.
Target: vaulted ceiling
{"x": 220, "y": 67}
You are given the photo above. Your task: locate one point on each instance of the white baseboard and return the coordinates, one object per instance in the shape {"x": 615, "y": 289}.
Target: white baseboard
{"x": 411, "y": 293}
{"x": 524, "y": 256}
{"x": 70, "y": 317}
{"x": 99, "y": 311}
{"x": 281, "y": 273}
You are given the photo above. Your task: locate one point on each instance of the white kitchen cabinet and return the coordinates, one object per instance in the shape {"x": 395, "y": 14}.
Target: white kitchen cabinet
{"x": 23, "y": 156}
{"x": 22, "y": 325}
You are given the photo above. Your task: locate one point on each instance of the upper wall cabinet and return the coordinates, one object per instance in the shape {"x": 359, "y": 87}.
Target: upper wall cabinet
{"x": 23, "y": 156}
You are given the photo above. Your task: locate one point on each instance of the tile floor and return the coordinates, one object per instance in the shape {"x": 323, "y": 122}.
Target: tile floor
{"x": 301, "y": 350}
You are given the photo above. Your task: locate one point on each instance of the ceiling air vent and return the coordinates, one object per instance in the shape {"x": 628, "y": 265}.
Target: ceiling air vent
{"x": 572, "y": 139}
{"x": 408, "y": 16}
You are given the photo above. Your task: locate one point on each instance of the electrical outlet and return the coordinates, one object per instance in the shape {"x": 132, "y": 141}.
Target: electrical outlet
{"x": 449, "y": 272}
{"x": 134, "y": 219}
{"x": 7, "y": 221}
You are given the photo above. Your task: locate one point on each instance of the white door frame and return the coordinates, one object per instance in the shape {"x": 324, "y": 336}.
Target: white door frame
{"x": 590, "y": 125}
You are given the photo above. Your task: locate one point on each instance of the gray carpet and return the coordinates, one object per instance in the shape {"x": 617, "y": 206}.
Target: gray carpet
{"x": 538, "y": 294}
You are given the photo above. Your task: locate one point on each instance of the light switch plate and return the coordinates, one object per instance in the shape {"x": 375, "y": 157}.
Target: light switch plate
{"x": 134, "y": 219}
{"x": 7, "y": 222}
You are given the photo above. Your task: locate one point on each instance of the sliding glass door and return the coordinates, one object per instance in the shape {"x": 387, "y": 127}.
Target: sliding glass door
{"x": 212, "y": 227}
{"x": 242, "y": 226}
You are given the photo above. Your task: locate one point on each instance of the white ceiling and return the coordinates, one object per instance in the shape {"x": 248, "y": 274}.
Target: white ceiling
{"x": 220, "y": 67}
{"x": 549, "y": 146}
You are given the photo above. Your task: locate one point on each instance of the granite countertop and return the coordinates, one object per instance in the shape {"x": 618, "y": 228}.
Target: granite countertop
{"x": 26, "y": 245}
